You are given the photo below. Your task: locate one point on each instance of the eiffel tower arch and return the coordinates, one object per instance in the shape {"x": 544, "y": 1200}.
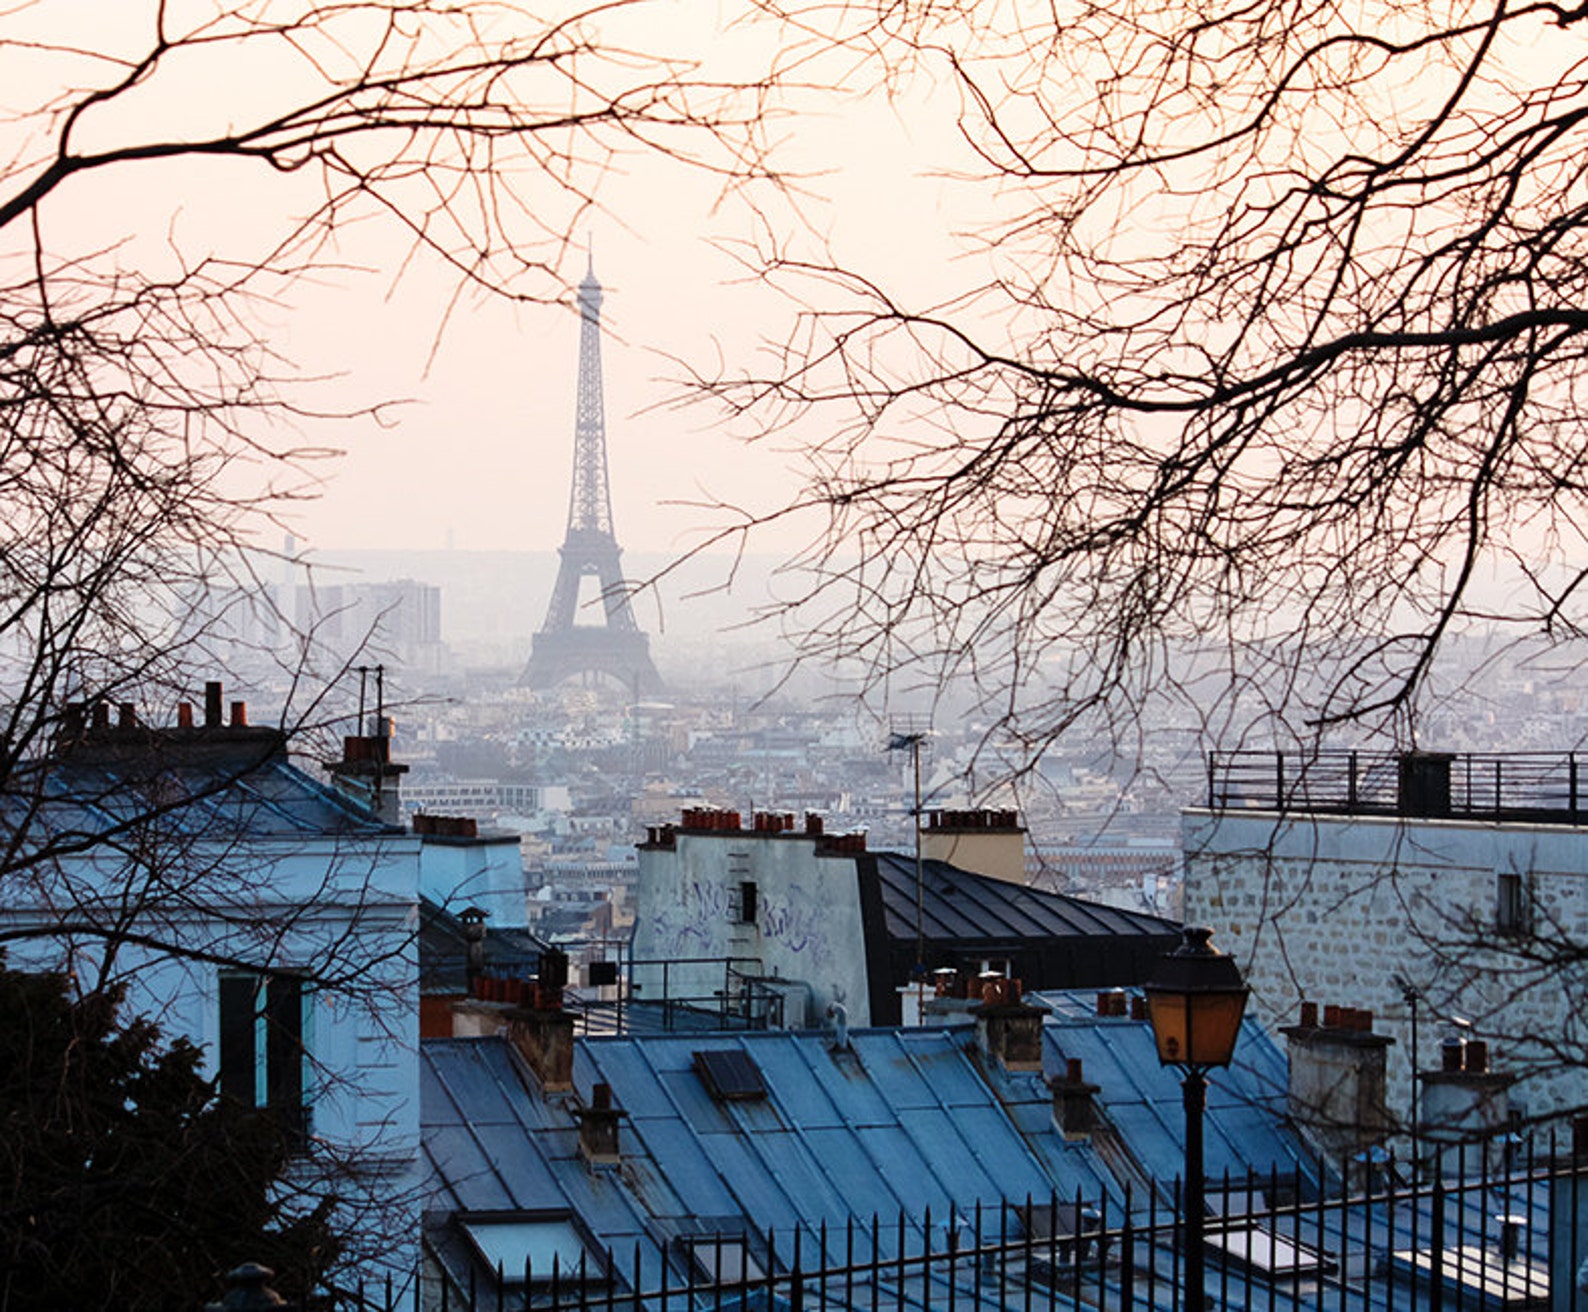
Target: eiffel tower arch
{"x": 569, "y": 645}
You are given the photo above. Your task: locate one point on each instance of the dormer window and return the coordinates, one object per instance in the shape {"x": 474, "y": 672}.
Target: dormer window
{"x": 723, "y": 1259}
{"x": 720, "y": 1251}
{"x": 540, "y": 1248}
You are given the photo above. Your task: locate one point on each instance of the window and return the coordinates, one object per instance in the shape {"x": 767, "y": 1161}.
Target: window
{"x": 717, "y": 1250}
{"x": 723, "y": 1259}
{"x": 534, "y": 1246}
{"x": 1510, "y": 903}
{"x": 263, "y": 1046}
{"x": 730, "y": 1075}
{"x": 745, "y": 906}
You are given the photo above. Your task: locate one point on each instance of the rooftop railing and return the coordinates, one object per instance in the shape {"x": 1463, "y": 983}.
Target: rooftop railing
{"x": 1546, "y": 787}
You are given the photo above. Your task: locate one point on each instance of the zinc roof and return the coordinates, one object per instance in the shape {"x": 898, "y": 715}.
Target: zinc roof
{"x": 900, "y": 1121}
{"x": 958, "y": 904}
{"x": 1244, "y": 1128}
{"x": 247, "y": 789}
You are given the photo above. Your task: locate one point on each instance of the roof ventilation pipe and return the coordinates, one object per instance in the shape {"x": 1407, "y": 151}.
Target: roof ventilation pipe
{"x": 838, "y": 1014}
{"x": 1074, "y": 1108}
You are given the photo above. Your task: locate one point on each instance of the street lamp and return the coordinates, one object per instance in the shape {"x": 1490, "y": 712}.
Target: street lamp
{"x": 1195, "y": 1000}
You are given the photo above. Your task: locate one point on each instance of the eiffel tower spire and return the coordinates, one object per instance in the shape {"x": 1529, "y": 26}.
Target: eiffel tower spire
{"x": 564, "y": 647}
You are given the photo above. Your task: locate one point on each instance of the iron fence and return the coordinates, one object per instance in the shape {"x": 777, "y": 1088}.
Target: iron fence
{"x": 1356, "y": 1234}
{"x": 649, "y": 998}
{"x": 1462, "y": 785}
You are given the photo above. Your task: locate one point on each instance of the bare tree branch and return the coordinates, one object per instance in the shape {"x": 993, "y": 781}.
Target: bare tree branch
{"x": 1282, "y": 344}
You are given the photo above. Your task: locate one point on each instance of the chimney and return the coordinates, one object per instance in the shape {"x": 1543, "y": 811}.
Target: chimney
{"x": 184, "y": 715}
{"x": 1337, "y": 1079}
{"x": 212, "y": 704}
{"x": 472, "y": 919}
{"x": 1113, "y": 1002}
{"x": 544, "y": 1038}
{"x": 74, "y": 720}
{"x": 1074, "y": 1108}
{"x": 984, "y": 842}
{"x": 1008, "y": 1030}
{"x": 540, "y": 1029}
{"x": 947, "y": 983}
{"x": 598, "y": 1128}
{"x": 1465, "y": 1100}
{"x": 367, "y": 774}
{"x": 553, "y": 974}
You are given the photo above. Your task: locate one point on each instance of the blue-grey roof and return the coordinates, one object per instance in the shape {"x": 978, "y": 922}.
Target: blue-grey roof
{"x": 961, "y": 905}
{"x": 901, "y": 1122}
{"x": 444, "y": 951}
{"x": 203, "y": 783}
{"x": 1245, "y": 1127}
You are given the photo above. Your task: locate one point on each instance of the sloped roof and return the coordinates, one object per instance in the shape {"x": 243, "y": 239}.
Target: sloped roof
{"x": 957, "y": 904}
{"x": 902, "y": 1121}
{"x": 194, "y": 784}
{"x": 444, "y": 950}
{"x": 1244, "y": 1129}
{"x": 907, "y": 1118}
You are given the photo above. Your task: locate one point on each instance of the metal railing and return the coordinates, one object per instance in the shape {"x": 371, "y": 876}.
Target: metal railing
{"x": 737, "y": 1002}
{"x": 1476, "y": 1240}
{"x": 1522, "y": 786}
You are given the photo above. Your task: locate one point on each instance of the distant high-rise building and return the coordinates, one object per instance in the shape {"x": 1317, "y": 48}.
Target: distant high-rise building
{"x": 614, "y": 648}
{"x": 397, "y": 621}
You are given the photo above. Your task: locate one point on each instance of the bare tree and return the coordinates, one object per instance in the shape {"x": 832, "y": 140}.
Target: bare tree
{"x": 148, "y": 427}
{"x": 1266, "y": 374}
{"x": 1265, "y": 384}
{"x": 150, "y": 430}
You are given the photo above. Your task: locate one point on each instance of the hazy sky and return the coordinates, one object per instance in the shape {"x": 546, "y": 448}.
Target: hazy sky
{"x": 484, "y": 457}
{"x": 480, "y": 457}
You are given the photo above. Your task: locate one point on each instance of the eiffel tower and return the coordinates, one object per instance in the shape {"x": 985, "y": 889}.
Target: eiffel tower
{"x": 565, "y": 649}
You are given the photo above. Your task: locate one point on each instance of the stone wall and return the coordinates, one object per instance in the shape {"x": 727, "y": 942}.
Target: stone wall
{"x": 1333, "y": 908}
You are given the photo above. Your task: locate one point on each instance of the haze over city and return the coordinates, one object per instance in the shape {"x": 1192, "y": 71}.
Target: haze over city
{"x": 761, "y": 654}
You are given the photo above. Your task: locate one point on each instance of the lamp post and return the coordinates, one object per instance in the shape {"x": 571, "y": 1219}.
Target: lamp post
{"x": 1195, "y": 1001}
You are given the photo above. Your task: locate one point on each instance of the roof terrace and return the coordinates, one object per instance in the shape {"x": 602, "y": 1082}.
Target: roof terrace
{"x": 1528, "y": 787}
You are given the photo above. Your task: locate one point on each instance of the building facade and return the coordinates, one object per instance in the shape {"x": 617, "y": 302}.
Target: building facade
{"x": 791, "y": 917}
{"x": 252, "y": 908}
{"x": 1445, "y": 894}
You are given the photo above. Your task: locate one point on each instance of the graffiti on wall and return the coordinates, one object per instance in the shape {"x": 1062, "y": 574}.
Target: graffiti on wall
{"x": 797, "y": 924}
